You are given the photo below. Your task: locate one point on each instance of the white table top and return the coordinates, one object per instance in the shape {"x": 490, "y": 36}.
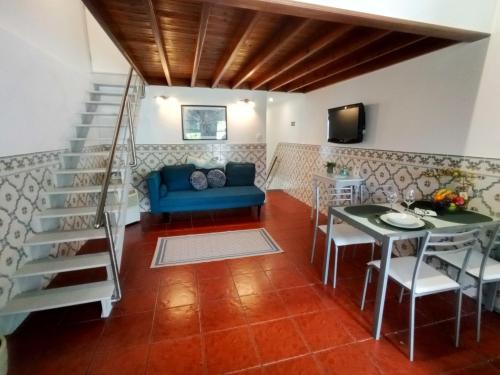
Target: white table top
{"x": 380, "y": 233}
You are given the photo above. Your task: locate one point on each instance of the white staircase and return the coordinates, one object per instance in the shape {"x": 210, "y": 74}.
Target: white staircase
{"x": 86, "y": 182}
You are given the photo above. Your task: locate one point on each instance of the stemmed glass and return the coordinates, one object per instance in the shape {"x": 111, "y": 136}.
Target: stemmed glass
{"x": 392, "y": 196}
{"x": 409, "y": 198}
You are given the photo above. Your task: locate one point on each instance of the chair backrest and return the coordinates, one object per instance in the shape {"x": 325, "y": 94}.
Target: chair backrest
{"x": 339, "y": 196}
{"x": 446, "y": 241}
{"x": 494, "y": 242}
{"x": 376, "y": 194}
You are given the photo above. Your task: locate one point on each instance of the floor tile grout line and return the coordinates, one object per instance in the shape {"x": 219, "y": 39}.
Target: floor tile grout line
{"x": 150, "y": 339}
{"x": 249, "y": 331}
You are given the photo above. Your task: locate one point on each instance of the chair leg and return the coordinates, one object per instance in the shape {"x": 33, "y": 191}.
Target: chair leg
{"x": 458, "y": 317}
{"x": 401, "y": 293}
{"x": 411, "y": 333}
{"x": 494, "y": 297}
{"x": 373, "y": 250}
{"x": 335, "y": 263}
{"x": 367, "y": 278}
{"x": 313, "y": 251}
{"x": 479, "y": 301}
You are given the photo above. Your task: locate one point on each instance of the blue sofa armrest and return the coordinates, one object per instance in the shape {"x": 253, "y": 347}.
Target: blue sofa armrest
{"x": 155, "y": 188}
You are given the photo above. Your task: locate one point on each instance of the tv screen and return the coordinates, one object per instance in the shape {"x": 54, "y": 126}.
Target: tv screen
{"x": 346, "y": 123}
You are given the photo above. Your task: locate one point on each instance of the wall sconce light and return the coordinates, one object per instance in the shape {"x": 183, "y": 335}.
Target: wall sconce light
{"x": 161, "y": 98}
{"x": 271, "y": 99}
{"x": 248, "y": 102}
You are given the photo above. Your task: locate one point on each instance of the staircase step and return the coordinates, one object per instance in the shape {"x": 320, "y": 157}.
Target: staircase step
{"x": 45, "y": 238}
{"x": 89, "y": 189}
{"x": 108, "y": 126}
{"x": 101, "y": 103}
{"x": 47, "y": 266}
{"x": 99, "y": 114}
{"x": 83, "y": 170}
{"x": 103, "y": 140}
{"x": 105, "y": 84}
{"x": 85, "y": 154}
{"x": 58, "y": 297}
{"x": 97, "y": 92}
{"x": 71, "y": 211}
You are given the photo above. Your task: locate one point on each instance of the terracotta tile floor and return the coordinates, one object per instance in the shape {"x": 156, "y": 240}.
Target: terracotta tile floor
{"x": 262, "y": 315}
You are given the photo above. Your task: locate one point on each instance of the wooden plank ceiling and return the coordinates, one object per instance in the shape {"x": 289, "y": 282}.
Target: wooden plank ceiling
{"x": 253, "y": 44}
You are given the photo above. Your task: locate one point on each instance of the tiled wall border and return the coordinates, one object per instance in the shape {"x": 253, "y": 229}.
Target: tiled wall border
{"x": 22, "y": 180}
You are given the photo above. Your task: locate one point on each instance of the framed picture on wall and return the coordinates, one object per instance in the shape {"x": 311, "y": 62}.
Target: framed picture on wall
{"x": 204, "y": 122}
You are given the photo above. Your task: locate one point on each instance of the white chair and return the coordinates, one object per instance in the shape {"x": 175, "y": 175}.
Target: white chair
{"x": 342, "y": 234}
{"x": 421, "y": 279}
{"x": 482, "y": 268}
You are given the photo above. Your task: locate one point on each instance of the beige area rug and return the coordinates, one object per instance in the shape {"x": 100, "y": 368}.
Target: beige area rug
{"x": 208, "y": 247}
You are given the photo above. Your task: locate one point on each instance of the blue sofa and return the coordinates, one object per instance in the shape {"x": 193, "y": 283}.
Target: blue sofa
{"x": 170, "y": 190}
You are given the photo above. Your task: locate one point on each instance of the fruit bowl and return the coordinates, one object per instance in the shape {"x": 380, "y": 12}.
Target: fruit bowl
{"x": 448, "y": 200}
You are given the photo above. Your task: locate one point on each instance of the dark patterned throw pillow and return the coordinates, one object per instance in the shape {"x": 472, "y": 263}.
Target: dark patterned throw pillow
{"x": 199, "y": 180}
{"x": 216, "y": 178}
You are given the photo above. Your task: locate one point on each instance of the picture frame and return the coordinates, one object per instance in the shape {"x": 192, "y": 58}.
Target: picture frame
{"x": 204, "y": 122}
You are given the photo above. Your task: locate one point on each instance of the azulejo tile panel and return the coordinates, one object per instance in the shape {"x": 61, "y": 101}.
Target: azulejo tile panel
{"x": 22, "y": 180}
{"x": 154, "y": 156}
{"x": 297, "y": 162}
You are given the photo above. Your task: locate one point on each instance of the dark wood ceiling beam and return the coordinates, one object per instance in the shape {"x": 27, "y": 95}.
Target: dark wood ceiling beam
{"x": 159, "y": 40}
{"x": 337, "y": 53}
{"x": 419, "y": 48}
{"x": 305, "y": 52}
{"x": 115, "y": 37}
{"x": 339, "y": 15}
{"x": 240, "y": 35}
{"x": 270, "y": 49}
{"x": 200, "y": 41}
{"x": 386, "y": 46}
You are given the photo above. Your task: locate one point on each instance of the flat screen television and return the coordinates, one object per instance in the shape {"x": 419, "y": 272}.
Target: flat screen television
{"x": 346, "y": 124}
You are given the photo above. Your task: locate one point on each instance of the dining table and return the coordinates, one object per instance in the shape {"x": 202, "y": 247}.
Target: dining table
{"x": 366, "y": 218}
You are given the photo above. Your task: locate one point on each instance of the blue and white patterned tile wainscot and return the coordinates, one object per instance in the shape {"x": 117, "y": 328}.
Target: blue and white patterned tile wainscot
{"x": 297, "y": 162}
{"x": 152, "y": 157}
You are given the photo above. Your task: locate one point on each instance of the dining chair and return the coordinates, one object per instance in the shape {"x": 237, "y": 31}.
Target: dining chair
{"x": 421, "y": 279}
{"x": 482, "y": 268}
{"x": 342, "y": 234}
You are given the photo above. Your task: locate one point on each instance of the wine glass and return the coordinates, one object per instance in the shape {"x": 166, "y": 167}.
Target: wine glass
{"x": 392, "y": 197}
{"x": 409, "y": 198}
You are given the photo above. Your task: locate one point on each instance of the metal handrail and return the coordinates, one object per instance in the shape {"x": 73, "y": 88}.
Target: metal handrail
{"x": 107, "y": 177}
{"x": 275, "y": 159}
{"x": 114, "y": 261}
{"x": 131, "y": 116}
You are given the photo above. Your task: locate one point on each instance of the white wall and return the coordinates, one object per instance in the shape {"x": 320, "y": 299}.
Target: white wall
{"x": 44, "y": 71}
{"x": 160, "y": 122}
{"x": 105, "y": 56}
{"x": 484, "y": 133}
{"x": 422, "y": 105}
{"x": 462, "y": 14}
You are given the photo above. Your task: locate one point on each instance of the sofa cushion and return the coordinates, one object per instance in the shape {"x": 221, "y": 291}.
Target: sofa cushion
{"x": 199, "y": 180}
{"x": 216, "y": 178}
{"x": 176, "y": 177}
{"x": 240, "y": 174}
{"x": 211, "y": 199}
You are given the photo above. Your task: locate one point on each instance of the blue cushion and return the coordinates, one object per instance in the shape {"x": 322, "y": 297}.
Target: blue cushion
{"x": 163, "y": 190}
{"x": 176, "y": 177}
{"x": 240, "y": 174}
{"x": 210, "y": 199}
